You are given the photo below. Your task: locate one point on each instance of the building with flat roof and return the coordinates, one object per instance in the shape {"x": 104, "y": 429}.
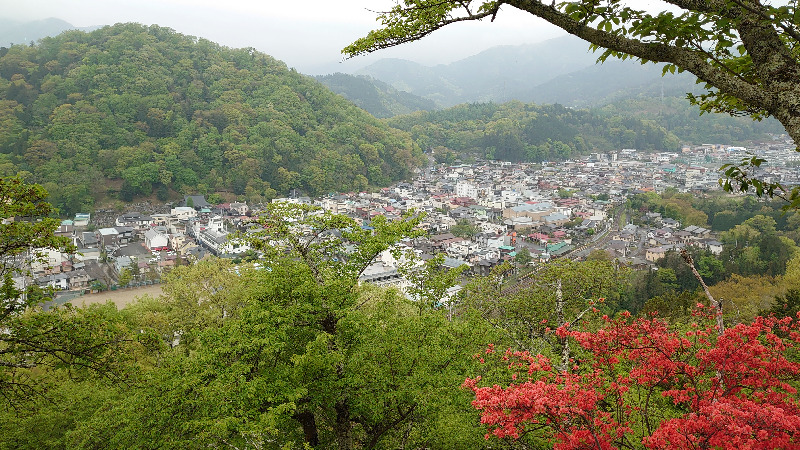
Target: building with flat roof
{"x": 534, "y": 211}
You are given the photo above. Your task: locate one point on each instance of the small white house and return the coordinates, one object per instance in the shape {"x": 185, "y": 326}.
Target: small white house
{"x": 183, "y": 212}
{"x": 155, "y": 241}
{"x": 714, "y": 246}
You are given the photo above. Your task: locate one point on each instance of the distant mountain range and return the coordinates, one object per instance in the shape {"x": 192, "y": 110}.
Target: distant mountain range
{"x": 601, "y": 84}
{"x": 560, "y": 70}
{"x": 16, "y": 32}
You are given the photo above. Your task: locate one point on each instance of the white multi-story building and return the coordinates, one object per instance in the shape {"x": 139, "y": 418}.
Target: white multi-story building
{"x": 466, "y": 189}
{"x": 216, "y": 239}
{"x": 47, "y": 260}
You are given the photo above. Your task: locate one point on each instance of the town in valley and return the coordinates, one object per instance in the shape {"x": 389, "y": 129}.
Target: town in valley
{"x": 479, "y": 214}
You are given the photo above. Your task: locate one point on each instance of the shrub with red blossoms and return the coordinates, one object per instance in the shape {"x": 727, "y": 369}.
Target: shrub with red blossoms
{"x": 645, "y": 383}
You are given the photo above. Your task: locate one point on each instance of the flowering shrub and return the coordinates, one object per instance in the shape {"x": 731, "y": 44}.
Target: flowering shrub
{"x": 641, "y": 382}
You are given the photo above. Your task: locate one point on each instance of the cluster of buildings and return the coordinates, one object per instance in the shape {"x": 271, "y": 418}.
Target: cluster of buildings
{"x": 144, "y": 244}
{"x": 478, "y": 215}
{"x": 550, "y": 210}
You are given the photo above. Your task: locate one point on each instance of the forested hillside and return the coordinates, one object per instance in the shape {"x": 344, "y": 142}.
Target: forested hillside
{"x": 130, "y": 110}
{"x": 375, "y": 97}
{"x": 682, "y": 119}
{"x": 526, "y": 132}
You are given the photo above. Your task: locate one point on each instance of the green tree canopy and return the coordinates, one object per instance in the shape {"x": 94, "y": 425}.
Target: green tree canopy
{"x": 130, "y": 111}
{"x": 464, "y": 228}
{"x": 293, "y": 350}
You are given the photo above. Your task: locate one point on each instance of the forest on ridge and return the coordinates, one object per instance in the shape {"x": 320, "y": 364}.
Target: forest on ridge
{"x": 152, "y": 113}
{"x": 147, "y": 110}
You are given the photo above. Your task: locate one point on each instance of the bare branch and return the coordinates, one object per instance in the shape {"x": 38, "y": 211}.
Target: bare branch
{"x": 714, "y": 303}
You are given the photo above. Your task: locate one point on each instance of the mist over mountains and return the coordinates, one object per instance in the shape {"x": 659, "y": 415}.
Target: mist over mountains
{"x": 16, "y": 32}
{"x": 561, "y": 70}
{"x": 558, "y": 71}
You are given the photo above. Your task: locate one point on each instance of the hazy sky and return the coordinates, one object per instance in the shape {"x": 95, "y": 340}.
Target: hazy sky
{"x": 306, "y": 34}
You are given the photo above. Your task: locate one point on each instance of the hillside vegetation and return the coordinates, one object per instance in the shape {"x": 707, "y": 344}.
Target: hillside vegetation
{"x": 376, "y": 97}
{"x": 564, "y": 71}
{"x": 130, "y": 110}
{"x": 516, "y": 131}
{"x": 683, "y": 120}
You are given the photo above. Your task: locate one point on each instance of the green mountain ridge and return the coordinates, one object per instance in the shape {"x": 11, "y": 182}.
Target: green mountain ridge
{"x": 562, "y": 71}
{"x": 376, "y": 97}
{"x": 130, "y": 110}
{"x": 516, "y": 131}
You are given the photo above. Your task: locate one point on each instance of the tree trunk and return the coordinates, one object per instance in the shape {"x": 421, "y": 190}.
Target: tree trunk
{"x": 563, "y": 342}
{"x": 344, "y": 437}
{"x": 717, "y": 305}
{"x": 309, "y": 425}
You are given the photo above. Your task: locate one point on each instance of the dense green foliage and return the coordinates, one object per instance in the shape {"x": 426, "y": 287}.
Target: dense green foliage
{"x": 375, "y": 97}
{"x": 718, "y": 212}
{"x": 681, "y": 118}
{"x": 525, "y": 132}
{"x": 147, "y": 109}
{"x": 669, "y": 204}
{"x": 286, "y": 353}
